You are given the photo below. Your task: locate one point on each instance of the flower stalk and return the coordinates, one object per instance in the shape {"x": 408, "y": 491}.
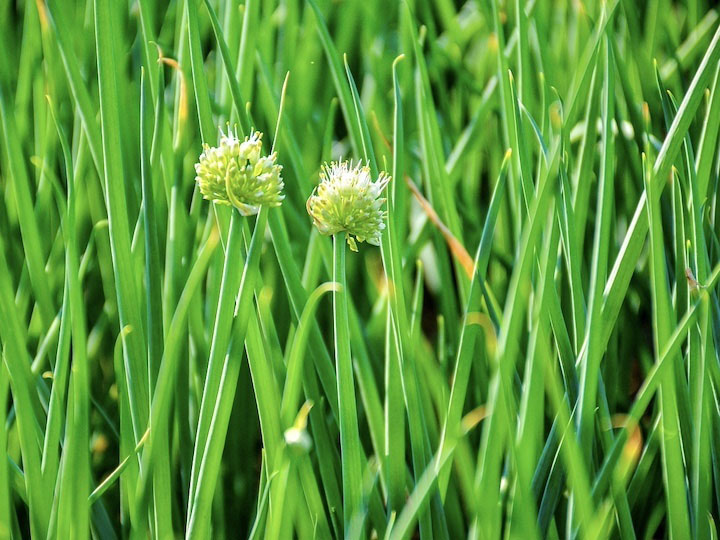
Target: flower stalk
{"x": 350, "y": 446}
{"x": 347, "y": 204}
{"x": 223, "y": 371}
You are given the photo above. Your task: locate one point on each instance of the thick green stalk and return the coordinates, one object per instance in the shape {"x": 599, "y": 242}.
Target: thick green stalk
{"x": 231, "y": 279}
{"x": 207, "y": 459}
{"x": 351, "y": 451}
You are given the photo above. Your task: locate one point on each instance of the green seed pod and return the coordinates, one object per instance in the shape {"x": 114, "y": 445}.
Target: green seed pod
{"x": 348, "y": 200}
{"x": 235, "y": 173}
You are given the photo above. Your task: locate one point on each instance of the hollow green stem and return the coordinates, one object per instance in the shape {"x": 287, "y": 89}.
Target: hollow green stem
{"x": 349, "y": 436}
{"x": 208, "y": 456}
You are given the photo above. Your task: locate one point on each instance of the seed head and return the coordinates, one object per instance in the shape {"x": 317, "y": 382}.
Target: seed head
{"x": 235, "y": 173}
{"x": 348, "y": 200}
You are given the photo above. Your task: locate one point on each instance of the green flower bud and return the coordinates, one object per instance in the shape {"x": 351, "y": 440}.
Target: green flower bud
{"x": 348, "y": 200}
{"x": 235, "y": 173}
{"x": 296, "y": 437}
{"x": 298, "y": 440}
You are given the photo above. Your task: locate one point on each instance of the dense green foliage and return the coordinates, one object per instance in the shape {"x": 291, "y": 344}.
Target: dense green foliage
{"x": 532, "y": 351}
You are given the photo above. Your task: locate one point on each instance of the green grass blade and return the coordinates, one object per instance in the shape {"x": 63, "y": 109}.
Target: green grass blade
{"x": 127, "y": 291}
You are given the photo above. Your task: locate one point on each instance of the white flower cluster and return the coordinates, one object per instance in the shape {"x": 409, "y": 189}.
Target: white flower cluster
{"x": 347, "y": 200}
{"x": 235, "y": 173}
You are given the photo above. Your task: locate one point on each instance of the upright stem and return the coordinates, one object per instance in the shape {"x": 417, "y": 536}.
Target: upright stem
{"x": 232, "y": 276}
{"x": 349, "y": 436}
{"x": 207, "y": 459}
